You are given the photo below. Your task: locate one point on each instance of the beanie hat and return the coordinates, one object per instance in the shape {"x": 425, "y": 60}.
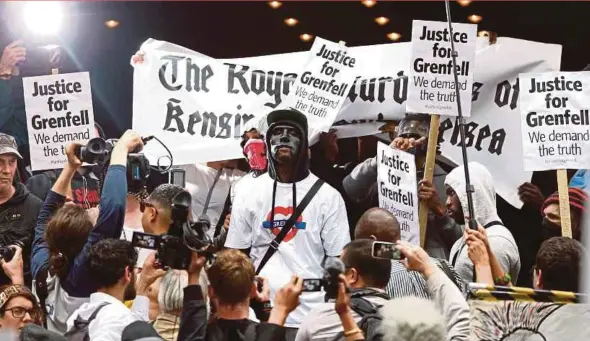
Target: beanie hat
{"x": 577, "y": 196}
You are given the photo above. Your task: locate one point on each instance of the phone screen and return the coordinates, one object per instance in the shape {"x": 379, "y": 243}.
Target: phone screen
{"x": 310, "y": 285}
{"x": 386, "y": 251}
{"x": 144, "y": 241}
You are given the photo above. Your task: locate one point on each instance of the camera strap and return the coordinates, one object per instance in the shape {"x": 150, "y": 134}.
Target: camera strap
{"x": 208, "y": 200}
{"x": 274, "y": 245}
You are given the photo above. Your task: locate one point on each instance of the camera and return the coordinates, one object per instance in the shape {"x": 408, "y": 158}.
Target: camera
{"x": 333, "y": 268}
{"x": 98, "y": 151}
{"x": 173, "y": 249}
{"x": 7, "y": 252}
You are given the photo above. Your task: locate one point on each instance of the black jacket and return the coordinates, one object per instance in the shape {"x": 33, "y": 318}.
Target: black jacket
{"x": 194, "y": 325}
{"x": 18, "y": 217}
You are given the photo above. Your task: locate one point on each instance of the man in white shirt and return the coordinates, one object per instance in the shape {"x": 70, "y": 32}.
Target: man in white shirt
{"x": 259, "y": 214}
{"x": 111, "y": 263}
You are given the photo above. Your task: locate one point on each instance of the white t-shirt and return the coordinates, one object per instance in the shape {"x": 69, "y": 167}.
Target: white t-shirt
{"x": 320, "y": 231}
{"x": 199, "y": 179}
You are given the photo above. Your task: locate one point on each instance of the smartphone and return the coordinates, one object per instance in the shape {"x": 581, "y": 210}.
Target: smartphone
{"x": 386, "y": 251}
{"x": 312, "y": 285}
{"x": 177, "y": 176}
{"x": 145, "y": 240}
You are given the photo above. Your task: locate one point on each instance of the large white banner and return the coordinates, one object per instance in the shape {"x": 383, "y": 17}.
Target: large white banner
{"x": 555, "y": 123}
{"x": 59, "y": 112}
{"x": 199, "y": 106}
{"x": 432, "y": 85}
{"x": 398, "y": 187}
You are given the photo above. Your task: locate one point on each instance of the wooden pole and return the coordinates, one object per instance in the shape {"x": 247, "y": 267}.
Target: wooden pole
{"x": 428, "y": 173}
{"x": 564, "y": 203}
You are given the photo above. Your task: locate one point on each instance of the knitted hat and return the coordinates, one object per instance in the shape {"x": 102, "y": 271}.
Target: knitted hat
{"x": 577, "y": 196}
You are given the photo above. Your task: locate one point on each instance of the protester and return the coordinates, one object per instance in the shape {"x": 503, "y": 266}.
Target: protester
{"x": 258, "y": 216}
{"x": 412, "y": 137}
{"x": 558, "y": 265}
{"x": 551, "y": 225}
{"x": 381, "y": 225}
{"x": 64, "y": 235}
{"x": 18, "y": 208}
{"x": 209, "y": 186}
{"x": 170, "y": 298}
{"x": 233, "y": 284}
{"x": 18, "y": 307}
{"x": 501, "y": 242}
{"x": 367, "y": 278}
{"x": 111, "y": 265}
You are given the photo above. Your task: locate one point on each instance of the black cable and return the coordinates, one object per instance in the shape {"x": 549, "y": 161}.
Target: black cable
{"x": 159, "y": 168}
{"x": 461, "y": 122}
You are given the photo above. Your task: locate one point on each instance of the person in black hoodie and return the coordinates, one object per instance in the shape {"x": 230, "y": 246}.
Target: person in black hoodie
{"x": 18, "y": 208}
{"x": 262, "y": 208}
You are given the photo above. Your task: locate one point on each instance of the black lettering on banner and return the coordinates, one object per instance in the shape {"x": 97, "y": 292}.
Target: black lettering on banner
{"x": 162, "y": 74}
{"x": 195, "y": 77}
{"x": 507, "y": 94}
{"x": 475, "y": 93}
{"x": 212, "y": 125}
{"x": 474, "y": 137}
{"x": 368, "y": 94}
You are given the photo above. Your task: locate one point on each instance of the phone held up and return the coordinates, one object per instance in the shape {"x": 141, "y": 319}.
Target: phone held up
{"x": 386, "y": 250}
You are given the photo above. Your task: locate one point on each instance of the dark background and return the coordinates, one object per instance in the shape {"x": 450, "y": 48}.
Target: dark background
{"x": 241, "y": 29}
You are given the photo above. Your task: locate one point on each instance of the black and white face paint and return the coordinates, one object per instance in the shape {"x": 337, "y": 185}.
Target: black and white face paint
{"x": 285, "y": 141}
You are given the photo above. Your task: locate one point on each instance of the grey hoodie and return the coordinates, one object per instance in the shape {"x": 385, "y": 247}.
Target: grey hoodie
{"x": 484, "y": 205}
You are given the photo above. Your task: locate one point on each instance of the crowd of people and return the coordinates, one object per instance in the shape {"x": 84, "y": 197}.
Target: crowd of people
{"x": 285, "y": 216}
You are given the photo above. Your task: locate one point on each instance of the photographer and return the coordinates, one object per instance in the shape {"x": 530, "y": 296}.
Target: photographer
{"x": 367, "y": 277}
{"x": 64, "y": 235}
{"x": 18, "y": 207}
{"x": 232, "y": 286}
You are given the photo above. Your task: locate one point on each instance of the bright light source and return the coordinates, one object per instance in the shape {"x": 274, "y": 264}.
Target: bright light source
{"x": 275, "y": 4}
{"x": 369, "y": 3}
{"x": 483, "y": 34}
{"x": 474, "y": 18}
{"x": 306, "y": 37}
{"x": 464, "y": 3}
{"x": 381, "y": 21}
{"x": 291, "y": 22}
{"x": 394, "y": 36}
{"x": 111, "y": 23}
{"x": 43, "y": 17}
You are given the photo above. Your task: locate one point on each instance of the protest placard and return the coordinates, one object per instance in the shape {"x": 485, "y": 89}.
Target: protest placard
{"x": 396, "y": 178}
{"x": 59, "y": 112}
{"x": 555, "y": 120}
{"x": 321, "y": 89}
{"x": 432, "y": 82}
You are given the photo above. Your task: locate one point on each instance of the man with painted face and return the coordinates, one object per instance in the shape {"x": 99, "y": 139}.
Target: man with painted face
{"x": 259, "y": 214}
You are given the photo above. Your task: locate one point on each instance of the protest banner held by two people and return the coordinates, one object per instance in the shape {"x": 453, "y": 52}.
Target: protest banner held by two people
{"x": 59, "y": 112}
{"x": 555, "y": 123}
{"x": 432, "y": 90}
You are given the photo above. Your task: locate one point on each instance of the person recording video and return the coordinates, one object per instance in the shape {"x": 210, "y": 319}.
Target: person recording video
{"x": 64, "y": 234}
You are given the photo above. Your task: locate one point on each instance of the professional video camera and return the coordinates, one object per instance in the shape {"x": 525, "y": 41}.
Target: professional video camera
{"x": 174, "y": 248}
{"x": 333, "y": 268}
{"x": 7, "y": 252}
{"x": 98, "y": 151}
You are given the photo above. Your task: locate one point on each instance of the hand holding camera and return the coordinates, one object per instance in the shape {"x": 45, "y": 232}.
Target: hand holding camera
{"x": 417, "y": 259}
{"x": 130, "y": 141}
{"x": 72, "y": 154}
{"x": 11, "y": 258}
{"x": 149, "y": 274}
{"x": 13, "y": 54}
{"x": 286, "y": 300}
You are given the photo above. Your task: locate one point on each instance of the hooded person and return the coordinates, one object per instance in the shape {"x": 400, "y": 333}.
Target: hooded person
{"x": 500, "y": 239}
{"x": 259, "y": 214}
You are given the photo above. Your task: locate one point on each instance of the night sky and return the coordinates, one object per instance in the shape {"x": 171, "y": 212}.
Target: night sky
{"x": 242, "y": 29}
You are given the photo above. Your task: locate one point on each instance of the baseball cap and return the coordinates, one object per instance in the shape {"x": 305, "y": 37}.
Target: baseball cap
{"x": 8, "y": 145}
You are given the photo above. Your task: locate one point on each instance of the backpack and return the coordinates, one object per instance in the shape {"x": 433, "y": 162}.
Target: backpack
{"x": 79, "y": 331}
{"x": 369, "y": 312}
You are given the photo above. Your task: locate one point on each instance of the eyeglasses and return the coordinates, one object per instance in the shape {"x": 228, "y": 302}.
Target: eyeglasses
{"x": 20, "y": 312}
{"x": 143, "y": 205}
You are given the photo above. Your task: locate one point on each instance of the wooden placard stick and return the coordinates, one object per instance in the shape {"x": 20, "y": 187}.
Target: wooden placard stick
{"x": 428, "y": 173}
{"x": 564, "y": 203}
